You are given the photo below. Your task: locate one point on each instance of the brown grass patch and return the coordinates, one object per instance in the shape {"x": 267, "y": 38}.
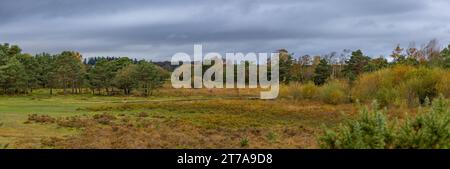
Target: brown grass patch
{"x": 40, "y": 119}
{"x": 181, "y": 134}
{"x": 231, "y": 123}
{"x": 72, "y": 122}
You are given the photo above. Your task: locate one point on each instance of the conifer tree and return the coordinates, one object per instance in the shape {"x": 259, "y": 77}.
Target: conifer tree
{"x": 322, "y": 72}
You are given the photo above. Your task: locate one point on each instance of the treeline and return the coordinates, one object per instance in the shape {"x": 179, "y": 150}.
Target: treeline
{"x": 350, "y": 64}
{"x": 20, "y": 73}
{"x": 408, "y": 80}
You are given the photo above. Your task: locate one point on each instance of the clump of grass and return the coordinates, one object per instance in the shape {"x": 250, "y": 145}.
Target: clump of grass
{"x": 104, "y": 118}
{"x": 142, "y": 114}
{"x": 4, "y": 146}
{"x": 50, "y": 141}
{"x": 40, "y": 119}
{"x": 244, "y": 142}
{"x": 271, "y": 137}
{"x": 72, "y": 122}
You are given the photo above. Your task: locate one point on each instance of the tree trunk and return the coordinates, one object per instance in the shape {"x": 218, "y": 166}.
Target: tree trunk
{"x": 65, "y": 87}
{"x": 73, "y": 87}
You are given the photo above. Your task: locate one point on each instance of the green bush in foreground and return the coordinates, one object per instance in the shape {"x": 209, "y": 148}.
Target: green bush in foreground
{"x": 373, "y": 130}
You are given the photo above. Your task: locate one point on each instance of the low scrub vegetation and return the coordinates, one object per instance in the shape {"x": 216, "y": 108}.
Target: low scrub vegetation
{"x": 72, "y": 122}
{"x": 402, "y": 85}
{"x": 374, "y": 129}
{"x": 165, "y": 132}
{"x": 40, "y": 119}
{"x": 333, "y": 92}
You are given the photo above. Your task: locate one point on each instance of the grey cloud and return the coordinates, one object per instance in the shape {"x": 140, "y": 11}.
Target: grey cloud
{"x": 159, "y": 28}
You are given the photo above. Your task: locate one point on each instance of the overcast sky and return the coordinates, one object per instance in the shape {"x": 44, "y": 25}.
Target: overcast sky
{"x": 157, "y": 29}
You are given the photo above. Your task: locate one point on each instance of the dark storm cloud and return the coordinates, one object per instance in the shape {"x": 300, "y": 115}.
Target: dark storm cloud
{"x": 159, "y": 28}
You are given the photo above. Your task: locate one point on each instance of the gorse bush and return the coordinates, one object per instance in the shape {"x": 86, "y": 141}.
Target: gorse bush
{"x": 381, "y": 85}
{"x": 421, "y": 83}
{"x": 373, "y": 129}
{"x": 309, "y": 91}
{"x": 401, "y": 84}
{"x": 443, "y": 86}
{"x": 334, "y": 92}
{"x": 295, "y": 91}
{"x": 298, "y": 91}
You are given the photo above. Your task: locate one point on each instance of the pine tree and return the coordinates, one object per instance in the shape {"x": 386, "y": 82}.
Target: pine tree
{"x": 126, "y": 79}
{"x": 150, "y": 76}
{"x": 285, "y": 65}
{"x": 356, "y": 65}
{"x": 445, "y": 54}
{"x": 101, "y": 75}
{"x": 46, "y": 71}
{"x": 322, "y": 72}
{"x": 69, "y": 70}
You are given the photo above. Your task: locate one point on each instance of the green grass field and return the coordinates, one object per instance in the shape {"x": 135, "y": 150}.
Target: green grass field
{"x": 14, "y": 111}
